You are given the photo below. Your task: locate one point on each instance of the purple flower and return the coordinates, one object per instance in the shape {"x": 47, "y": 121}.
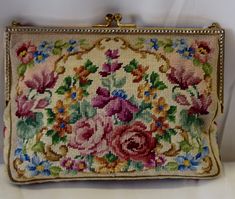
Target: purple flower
{"x": 24, "y": 106}
{"x": 68, "y": 163}
{"x": 43, "y": 81}
{"x": 184, "y": 78}
{"x": 112, "y": 54}
{"x": 110, "y": 68}
{"x": 160, "y": 160}
{"x": 115, "y": 104}
{"x": 181, "y": 99}
{"x": 200, "y": 105}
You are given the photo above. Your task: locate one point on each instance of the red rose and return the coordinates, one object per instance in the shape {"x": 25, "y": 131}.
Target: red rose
{"x": 133, "y": 142}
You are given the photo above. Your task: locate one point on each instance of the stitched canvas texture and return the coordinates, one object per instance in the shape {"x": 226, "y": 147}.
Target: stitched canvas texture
{"x": 112, "y": 106}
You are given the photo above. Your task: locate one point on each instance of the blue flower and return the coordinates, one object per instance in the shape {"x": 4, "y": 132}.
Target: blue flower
{"x": 119, "y": 93}
{"x": 154, "y": 44}
{"x": 38, "y": 167}
{"x": 187, "y": 53}
{"x": 40, "y": 56}
{"x": 72, "y": 45}
{"x": 187, "y": 162}
{"x": 203, "y": 153}
{"x": 182, "y": 48}
{"x": 45, "y": 46}
{"x": 180, "y": 44}
{"x": 72, "y": 41}
{"x": 23, "y": 156}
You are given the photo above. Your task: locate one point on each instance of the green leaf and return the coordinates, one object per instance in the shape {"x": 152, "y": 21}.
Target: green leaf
{"x": 35, "y": 121}
{"x": 171, "y": 132}
{"x": 111, "y": 157}
{"x": 68, "y": 82}
{"x": 55, "y": 171}
{"x": 62, "y": 90}
{"x": 87, "y": 110}
{"x": 57, "y": 139}
{"x": 119, "y": 83}
{"x": 25, "y": 131}
{"x": 57, "y": 51}
{"x": 73, "y": 172}
{"x": 154, "y": 77}
{"x": 38, "y": 147}
{"x": 131, "y": 66}
{"x": 172, "y": 110}
{"x": 166, "y": 137}
{"x": 21, "y": 69}
{"x": 161, "y": 43}
{"x": 168, "y": 49}
{"x": 88, "y": 63}
{"x": 63, "y": 139}
{"x": 133, "y": 100}
{"x": 106, "y": 82}
{"x": 134, "y": 63}
{"x": 92, "y": 68}
{"x": 171, "y": 166}
{"x": 59, "y": 43}
{"x": 196, "y": 62}
{"x": 50, "y": 132}
{"x": 86, "y": 84}
{"x": 185, "y": 146}
{"x": 145, "y": 115}
{"x": 191, "y": 123}
{"x": 138, "y": 166}
{"x": 160, "y": 85}
{"x": 207, "y": 68}
{"x": 128, "y": 68}
{"x": 89, "y": 160}
{"x": 85, "y": 93}
{"x": 50, "y": 120}
{"x": 144, "y": 105}
{"x": 74, "y": 117}
{"x": 50, "y": 113}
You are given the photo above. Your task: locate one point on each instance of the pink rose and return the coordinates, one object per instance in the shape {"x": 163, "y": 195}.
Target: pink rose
{"x": 133, "y": 142}
{"x": 91, "y": 135}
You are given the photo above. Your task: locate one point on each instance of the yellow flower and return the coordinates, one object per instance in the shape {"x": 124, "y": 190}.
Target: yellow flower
{"x": 160, "y": 107}
{"x": 146, "y": 92}
{"x": 101, "y": 165}
{"x": 60, "y": 109}
{"x": 62, "y": 126}
{"x": 74, "y": 95}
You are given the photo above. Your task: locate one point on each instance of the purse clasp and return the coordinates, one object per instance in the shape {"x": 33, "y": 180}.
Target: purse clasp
{"x": 117, "y": 17}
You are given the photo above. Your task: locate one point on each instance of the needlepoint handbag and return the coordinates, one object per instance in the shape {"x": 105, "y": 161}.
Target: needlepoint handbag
{"x": 104, "y": 102}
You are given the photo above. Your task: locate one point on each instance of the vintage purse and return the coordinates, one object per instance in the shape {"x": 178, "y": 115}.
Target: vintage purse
{"x": 106, "y": 102}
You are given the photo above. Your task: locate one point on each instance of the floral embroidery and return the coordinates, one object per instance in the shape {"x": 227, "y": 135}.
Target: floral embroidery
{"x": 86, "y": 117}
{"x": 115, "y": 104}
{"x": 42, "y": 82}
{"x": 25, "y": 52}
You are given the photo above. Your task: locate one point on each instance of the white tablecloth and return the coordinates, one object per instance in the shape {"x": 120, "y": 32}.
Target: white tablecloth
{"x": 220, "y": 188}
